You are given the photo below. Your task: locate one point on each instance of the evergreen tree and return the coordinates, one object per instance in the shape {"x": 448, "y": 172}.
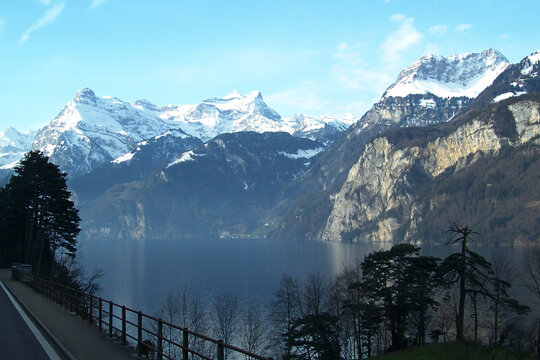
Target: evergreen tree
{"x": 469, "y": 270}
{"x": 403, "y": 283}
{"x": 39, "y": 219}
{"x": 314, "y": 336}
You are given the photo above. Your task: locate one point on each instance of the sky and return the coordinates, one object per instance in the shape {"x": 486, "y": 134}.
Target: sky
{"x": 311, "y": 57}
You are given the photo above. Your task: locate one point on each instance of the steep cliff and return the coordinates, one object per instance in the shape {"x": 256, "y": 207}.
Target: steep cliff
{"x": 406, "y": 176}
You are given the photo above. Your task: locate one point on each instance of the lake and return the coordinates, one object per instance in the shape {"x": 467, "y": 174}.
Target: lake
{"x": 140, "y": 273}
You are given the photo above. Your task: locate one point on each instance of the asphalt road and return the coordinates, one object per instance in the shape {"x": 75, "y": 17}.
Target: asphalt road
{"x": 17, "y": 340}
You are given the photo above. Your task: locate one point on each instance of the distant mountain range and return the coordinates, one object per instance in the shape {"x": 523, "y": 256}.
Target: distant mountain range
{"x": 92, "y": 131}
{"x": 232, "y": 166}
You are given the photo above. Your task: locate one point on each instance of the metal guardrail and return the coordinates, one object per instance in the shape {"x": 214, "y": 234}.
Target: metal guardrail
{"x": 119, "y": 320}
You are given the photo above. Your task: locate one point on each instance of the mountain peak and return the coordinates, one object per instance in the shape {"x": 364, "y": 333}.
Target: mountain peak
{"x": 458, "y": 75}
{"x": 529, "y": 63}
{"x": 86, "y": 96}
{"x": 144, "y": 104}
{"x": 233, "y": 95}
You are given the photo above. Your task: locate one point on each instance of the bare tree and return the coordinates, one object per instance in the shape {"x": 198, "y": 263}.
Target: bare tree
{"x": 315, "y": 295}
{"x": 531, "y": 263}
{"x": 252, "y": 329}
{"x": 503, "y": 308}
{"x": 285, "y": 311}
{"x": 184, "y": 309}
{"x": 226, "y": 318}
{"x": 169, "y": 311}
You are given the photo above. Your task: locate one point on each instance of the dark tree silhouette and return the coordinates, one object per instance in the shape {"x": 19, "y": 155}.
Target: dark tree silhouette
{"x": 470, "y": 270}
{"x": 403, "y": 283}
{"x": 314, "y": 336}
{"x": 40, "y": 219}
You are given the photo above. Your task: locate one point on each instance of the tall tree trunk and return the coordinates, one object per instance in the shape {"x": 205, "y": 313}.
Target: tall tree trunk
{"x": 462, "y": 291}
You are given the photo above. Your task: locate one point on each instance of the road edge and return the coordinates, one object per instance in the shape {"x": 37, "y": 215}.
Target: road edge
{"x": 53, "y": 340}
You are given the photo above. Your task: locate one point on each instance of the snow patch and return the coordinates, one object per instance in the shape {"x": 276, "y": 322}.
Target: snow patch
{"x": 10, "y": 165}
{"x": 187, "y": 156}
{"x": 302, "y": 154}
{"x": 428, "y": 103}
{"x": 123, "y": 158}
{"x": 507, "y": 96}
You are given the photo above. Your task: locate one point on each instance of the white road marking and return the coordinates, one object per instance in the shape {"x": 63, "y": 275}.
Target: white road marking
{"x": 40, "y": 338}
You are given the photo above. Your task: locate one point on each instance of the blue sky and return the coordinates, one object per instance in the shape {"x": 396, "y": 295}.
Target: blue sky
{"x": 313, "y": 57}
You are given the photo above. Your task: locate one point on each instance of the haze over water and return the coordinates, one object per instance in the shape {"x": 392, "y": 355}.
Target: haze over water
{"x": 140, "y": 273}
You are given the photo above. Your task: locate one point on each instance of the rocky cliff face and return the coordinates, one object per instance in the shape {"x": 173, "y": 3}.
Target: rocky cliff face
{"x": 220, "y": 188}
{"x": 382, "y": 198}
{"x": 431, "y": 91}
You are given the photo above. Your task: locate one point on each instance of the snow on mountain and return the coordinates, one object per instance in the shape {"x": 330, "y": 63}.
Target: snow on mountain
{"x": 232, "y": 113}
{"x": 517, "y": 79}
{"x": 463, "y": 75}
{"x": 13, "y": 145}
{"x": 324, "y": 128}
{"x": 90, "y": 131}
{"x": 529, "y": 63}
{"x": 306, "y": 123}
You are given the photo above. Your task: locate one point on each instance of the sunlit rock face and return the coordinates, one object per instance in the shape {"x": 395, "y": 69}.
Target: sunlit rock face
{"x": 382, "y": 201}
{"x": 433, "y": 90}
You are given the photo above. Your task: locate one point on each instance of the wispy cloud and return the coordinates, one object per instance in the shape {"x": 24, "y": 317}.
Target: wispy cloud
{"x": 463, "y": 27}
{"x": 348, "y": 52}
{"x": 504, "y": 36}
{"x": 397, "y": 17}
{"x": 352, "y": 72}
{"x": 52, "y": 13}
{"x": 95, "y": 3}
{"x": 438, "y": 29}
{"x": 45, "y": 2}
{"x": 358, "y": 78}
{"x": 400, "y": 40}
{"x": 304, "y": 98}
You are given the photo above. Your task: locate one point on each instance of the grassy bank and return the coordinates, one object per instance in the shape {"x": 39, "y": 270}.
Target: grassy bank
{"x": 455, "y": 351}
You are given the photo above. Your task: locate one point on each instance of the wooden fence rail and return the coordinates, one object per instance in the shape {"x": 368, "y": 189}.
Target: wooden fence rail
{"x": 126, "y": 323}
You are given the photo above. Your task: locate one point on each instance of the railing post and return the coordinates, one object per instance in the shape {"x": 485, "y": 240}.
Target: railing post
{"x": 100, "y": 314}
{"x": 123, "y": 325}
{"x": 71, "y": 300}
{"x": 81, "y": 302}
{"x": 139, "y": 334}
{"x": 160, "y": 340}
{"x": 220, "y": 350}
{"x": 90, "y": 298}
{"x": 185, "y": 343}
{"x": 110, "y": 318}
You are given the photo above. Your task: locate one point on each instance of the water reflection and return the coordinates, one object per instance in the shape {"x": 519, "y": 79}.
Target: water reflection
{"x": 140, "y": 273}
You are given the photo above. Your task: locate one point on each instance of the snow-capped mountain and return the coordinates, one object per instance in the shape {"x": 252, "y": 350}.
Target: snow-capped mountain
{"x": 91, "y": 131}
{"x": 463, "y": 75}
{"x": 230, "y": 114}
{"x": 433, "y": 90}
{"x": 325, "y": 129}
{"x": 13, "y": 145}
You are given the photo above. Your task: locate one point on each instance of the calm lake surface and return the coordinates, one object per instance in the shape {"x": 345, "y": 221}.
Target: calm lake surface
{"x": 140, "y": 273}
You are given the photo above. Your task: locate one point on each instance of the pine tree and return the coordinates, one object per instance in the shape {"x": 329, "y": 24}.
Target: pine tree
{"x": 403, "y": 283}
{"x": 41, "y": 220}
{"x": 471, "y": 271}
